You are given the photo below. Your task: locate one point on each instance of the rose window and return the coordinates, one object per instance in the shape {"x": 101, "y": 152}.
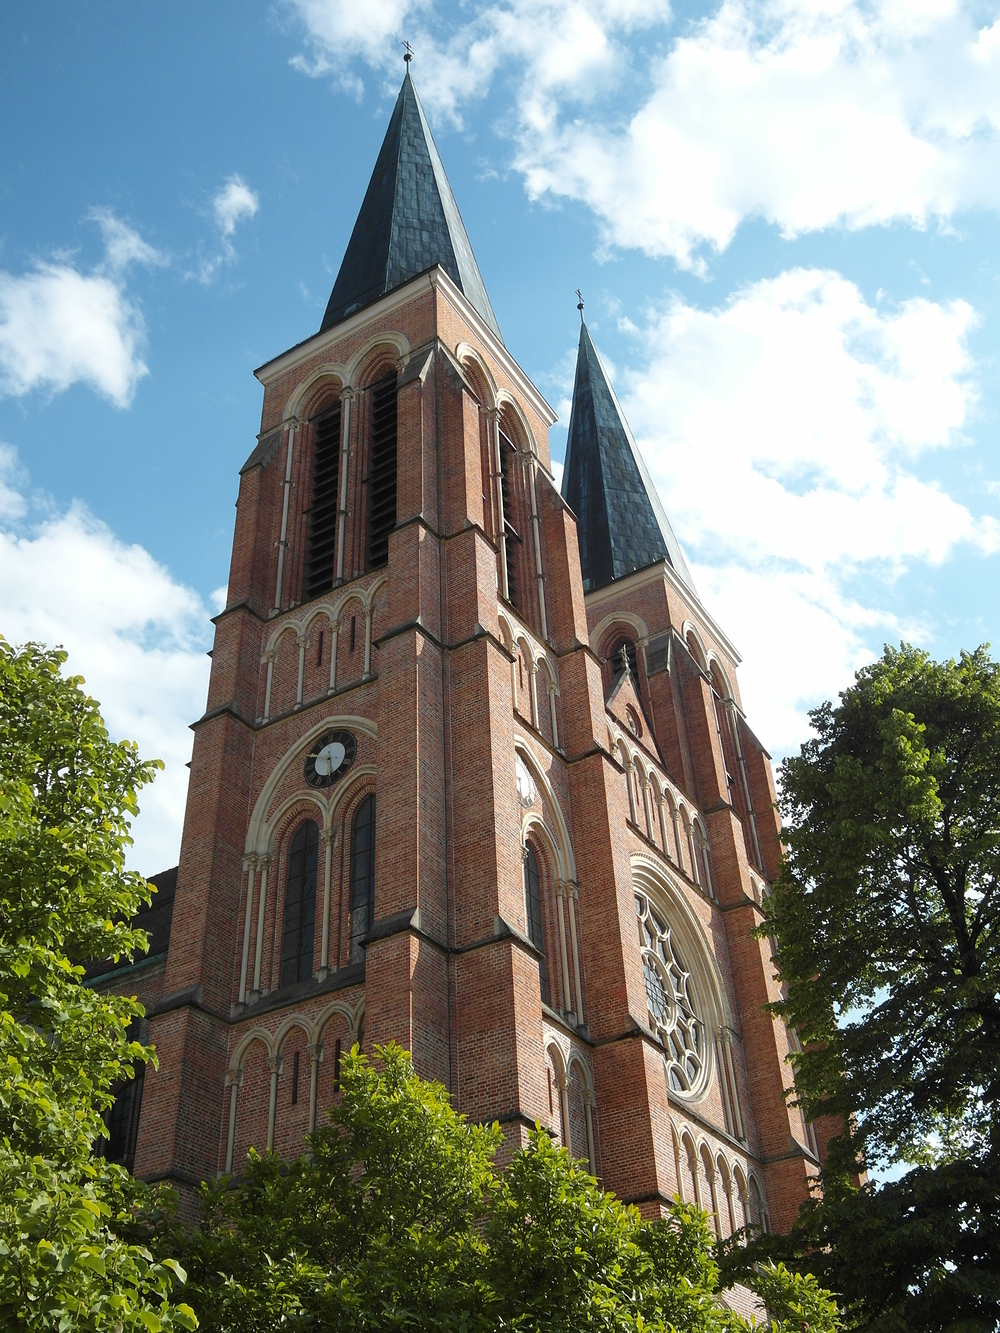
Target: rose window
{"x": 668, "y": 998}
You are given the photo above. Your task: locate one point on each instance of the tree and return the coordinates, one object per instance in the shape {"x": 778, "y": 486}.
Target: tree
{"x": 886, "y": 919}
{"x": 66, "y": 794}
{"x": 400, "y": 1217}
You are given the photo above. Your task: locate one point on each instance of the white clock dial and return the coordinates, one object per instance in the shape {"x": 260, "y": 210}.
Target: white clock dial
{"x": 526, "y": 789}
{"x": 329, "y": 759}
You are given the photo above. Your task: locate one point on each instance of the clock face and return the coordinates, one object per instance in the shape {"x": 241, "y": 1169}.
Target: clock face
{"x": 330, "y": 758}
{"x": 526, "y": 789}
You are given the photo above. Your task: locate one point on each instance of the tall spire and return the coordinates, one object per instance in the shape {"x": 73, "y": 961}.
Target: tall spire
{"x": 621, "y": 523}
{"x": 409, "y": 222}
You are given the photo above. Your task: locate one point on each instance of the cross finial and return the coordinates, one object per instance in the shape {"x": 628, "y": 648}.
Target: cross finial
{"x": 579, "y": 297}
{"x": 408, "y": 52}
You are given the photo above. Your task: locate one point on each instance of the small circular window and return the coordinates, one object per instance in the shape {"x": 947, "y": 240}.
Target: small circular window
{"x": 672, "y": 1014}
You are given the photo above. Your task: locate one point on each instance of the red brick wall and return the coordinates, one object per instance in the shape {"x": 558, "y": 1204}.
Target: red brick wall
{"x": 450, "y": 971}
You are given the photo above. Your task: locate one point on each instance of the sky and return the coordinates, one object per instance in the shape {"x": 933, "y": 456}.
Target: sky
{"x": 784, "y": 216}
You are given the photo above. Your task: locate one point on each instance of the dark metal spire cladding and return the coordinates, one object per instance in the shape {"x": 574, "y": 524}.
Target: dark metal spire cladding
{"x": 621, "y": 522}
{"x": 409, "y": 222}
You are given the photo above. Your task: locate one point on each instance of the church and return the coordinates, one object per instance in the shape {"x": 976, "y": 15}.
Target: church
{"x": 473, "y": 774}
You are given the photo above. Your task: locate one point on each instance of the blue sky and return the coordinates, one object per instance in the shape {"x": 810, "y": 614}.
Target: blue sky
{"x": 783, "y": 215}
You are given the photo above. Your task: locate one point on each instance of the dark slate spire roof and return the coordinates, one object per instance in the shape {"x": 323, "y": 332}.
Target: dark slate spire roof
{"x": 621, "y": 523}
{"x": 409, "y": 222}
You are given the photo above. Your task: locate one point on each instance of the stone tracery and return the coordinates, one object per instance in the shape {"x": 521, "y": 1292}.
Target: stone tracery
{"x": 672, "y": 1011}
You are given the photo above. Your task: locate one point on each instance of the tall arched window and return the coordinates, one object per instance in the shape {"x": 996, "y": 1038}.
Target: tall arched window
{"x": 727, "y": 724}
{"x": 300, "y": 905}
{"x": 362, "y": 876}
{"x": 513, "y": 540}
{"x": 122, "y": 1119}
{"x": 533, "y": 911}
{"x": 321, "y": 556}
{"x": 381, "y": 477}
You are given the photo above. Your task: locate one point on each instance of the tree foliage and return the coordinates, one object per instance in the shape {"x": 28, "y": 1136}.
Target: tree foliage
{"x": 66, "y": 794}
{"x": 400, "y": 1217}
{"x": 886, "y": 918}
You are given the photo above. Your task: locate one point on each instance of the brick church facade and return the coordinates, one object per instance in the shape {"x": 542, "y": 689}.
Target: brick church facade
{"x": 473, "y": 773}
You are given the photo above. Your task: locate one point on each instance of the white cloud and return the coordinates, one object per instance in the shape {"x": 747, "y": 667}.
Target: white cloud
{"x": 800, "y": 641}
{"x": 791, "y": 433}
{"x": 60, "y": 326}
{"x": 123, "y": 245}
{"x": 561, "y": 47}
{"x": 12, "y": 504}
{"x": 341, "y": 30}
{"x": 807, "y": 113}
{"x": 134, "y": 633}
{"x": 234, "y": 202}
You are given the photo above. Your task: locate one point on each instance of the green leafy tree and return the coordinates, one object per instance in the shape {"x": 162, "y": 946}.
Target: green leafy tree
{"x": 66, "y": 794}
{"x": 399, "y": 1217}
{"x": 886, "y": 918}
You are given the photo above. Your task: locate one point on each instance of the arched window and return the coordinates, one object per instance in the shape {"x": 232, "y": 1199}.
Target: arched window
{"x": 381, "y": 479}
{"x": 696, "y": 650}
{"x": 740, "y": 1186}
{"x": 618, "y": 663}
{"x": 362, "y": 876}
{"x": 513, "y": 541}
{"x": 670, "y": 1002}
{"x": 689, "y": 841}
{"x": 691, "y": 1163}
{"x": 533, "y": 911}
{"x": 758, "y": 1214}
{"x": 321, "y": 556}
{"x": 674, "y": 830}
{"x": 122, "y": 1119}
{"x": 300, "y": 905}
{"x": 727, "y": 724}
{"x": 703, "y": 871}
{"x": 726, "y": 1187}
{"x": 710, "y": 1194}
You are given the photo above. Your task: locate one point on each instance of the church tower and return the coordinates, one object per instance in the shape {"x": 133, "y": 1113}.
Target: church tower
{"x": 473, "y": 773}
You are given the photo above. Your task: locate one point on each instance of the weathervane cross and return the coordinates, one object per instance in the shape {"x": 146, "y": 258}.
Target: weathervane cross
{"x": 408, "y": 52}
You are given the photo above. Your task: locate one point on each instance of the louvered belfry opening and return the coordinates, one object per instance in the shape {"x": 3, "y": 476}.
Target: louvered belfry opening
{"x": 511, "y": 536}
{"x": 381, "y": 471}
{"x": 322, "y": 552}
